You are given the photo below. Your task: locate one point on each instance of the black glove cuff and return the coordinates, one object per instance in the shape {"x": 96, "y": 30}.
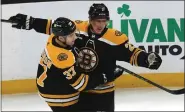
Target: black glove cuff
{"x": 29, "y": 21}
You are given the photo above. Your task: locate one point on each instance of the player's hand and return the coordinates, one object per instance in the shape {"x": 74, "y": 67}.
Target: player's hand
{"x": 118, "y": 71}
{"x": 21, "y": 21}
{"x": 154, "y": 60}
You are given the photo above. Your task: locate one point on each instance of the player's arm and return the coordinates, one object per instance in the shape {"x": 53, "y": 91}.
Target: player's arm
{"x": 65, "y": 61}
{"x": 135, "y": 56}
{"x": 42, "y": 25}
{"x": 21, "y": 21}
{"x": 81, "y": 81}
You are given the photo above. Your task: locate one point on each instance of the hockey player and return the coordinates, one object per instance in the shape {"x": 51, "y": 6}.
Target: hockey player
{"x": 59, "y": 80}
{"x": 101, "y": 44}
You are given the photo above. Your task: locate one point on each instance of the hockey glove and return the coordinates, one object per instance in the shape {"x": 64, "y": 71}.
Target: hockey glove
{"x": 153, "y": 60}
{"x": 118, "y": 71}
{"x": 21, "y": 21}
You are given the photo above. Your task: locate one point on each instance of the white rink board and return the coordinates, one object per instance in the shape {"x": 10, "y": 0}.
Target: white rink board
{"x": 21, "y": 49}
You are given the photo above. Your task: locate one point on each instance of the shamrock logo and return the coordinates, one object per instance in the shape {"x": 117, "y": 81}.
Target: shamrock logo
{"x": 124, "y": 10}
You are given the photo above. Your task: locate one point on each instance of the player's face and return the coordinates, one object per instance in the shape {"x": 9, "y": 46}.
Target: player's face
{"x": 70, "y": 39}
{"x": 98, "y": 25}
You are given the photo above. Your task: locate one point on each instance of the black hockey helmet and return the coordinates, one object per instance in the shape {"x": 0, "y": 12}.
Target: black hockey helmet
{"x": 98, "y": 11}
{"x": 63, "y": 27}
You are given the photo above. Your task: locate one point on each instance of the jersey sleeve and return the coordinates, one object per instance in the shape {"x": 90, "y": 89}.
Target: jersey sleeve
{"x": 42, "y": 25}
{"x": 81, "y": 81}
{"x": 129, "y": 53}
{"x": 123, "y": 50}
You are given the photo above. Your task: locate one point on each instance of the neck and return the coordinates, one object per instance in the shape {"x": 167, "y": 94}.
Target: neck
{"x": 62, "y": 44}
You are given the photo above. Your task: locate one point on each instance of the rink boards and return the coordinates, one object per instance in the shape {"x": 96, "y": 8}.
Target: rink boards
{"x": 125, "y": 81}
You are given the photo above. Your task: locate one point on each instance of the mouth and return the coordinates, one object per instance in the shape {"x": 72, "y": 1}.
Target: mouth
{"x": 73, "y": 42}
{"x": 99, "y": 30}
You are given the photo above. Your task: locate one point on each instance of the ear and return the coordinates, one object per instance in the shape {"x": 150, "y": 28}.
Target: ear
{"x": 60, "y": 38}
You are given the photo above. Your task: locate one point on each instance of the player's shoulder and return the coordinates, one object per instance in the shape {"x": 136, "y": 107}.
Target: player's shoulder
{"x": 60, "y": 57}
{"x": 80, "y": 22}
{"x": 115, "y": 36}
{"x": 81, "y": 25}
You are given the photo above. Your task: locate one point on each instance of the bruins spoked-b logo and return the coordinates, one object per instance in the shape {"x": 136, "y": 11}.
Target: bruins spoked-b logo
{"x": 87, "y": 58}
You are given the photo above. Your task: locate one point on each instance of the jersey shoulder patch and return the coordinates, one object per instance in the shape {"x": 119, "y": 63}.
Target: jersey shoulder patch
{"x": 118, "y": 33}
{"x": 115, "y": 36}
{"x": 78, "y": 21}
{"x": 62, "y": 56}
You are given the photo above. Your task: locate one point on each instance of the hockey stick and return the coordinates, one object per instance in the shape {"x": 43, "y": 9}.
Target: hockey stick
{"x": 175, "y": 92}
{"x": 6, "y": 21}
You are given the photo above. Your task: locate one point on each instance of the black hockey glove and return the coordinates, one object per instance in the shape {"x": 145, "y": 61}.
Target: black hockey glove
{"x": 21, "y": 21}
{"x": 118, "y": 71}
{"x": 153, "y": 60}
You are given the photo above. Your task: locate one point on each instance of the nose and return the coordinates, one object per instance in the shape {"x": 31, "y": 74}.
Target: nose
{"x": 101, "y": 24}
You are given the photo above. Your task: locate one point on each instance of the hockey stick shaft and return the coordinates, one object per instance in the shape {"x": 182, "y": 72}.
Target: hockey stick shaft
{"x": 7, "y": 21}
{"x": 175, "y": 92}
